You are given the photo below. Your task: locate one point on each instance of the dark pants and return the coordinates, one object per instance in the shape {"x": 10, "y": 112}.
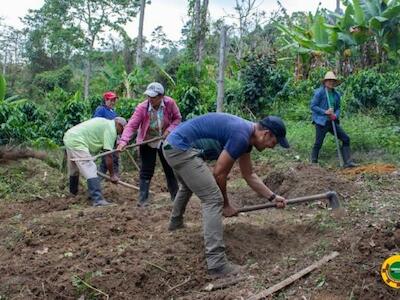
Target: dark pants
{"x": 320, "y": 133}
{"x": 148, "y": 157}
{"x": 103, "y": 166}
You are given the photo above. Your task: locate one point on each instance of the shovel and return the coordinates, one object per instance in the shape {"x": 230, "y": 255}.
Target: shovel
{"x": 341, "y": 161}
{"x": 331, "y": 196}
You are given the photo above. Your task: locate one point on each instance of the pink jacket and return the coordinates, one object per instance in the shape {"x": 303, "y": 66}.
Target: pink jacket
{"x": 140, "y": 120}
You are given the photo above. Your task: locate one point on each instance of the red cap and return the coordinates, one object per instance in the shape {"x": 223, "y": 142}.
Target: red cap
{"x": 110, "y": 96}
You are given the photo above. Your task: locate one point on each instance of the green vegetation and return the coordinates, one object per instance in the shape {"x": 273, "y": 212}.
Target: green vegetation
{"x": 272, "y": 67}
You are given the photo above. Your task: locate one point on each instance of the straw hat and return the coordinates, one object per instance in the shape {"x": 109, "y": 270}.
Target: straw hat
{"x": 331, "y": 76}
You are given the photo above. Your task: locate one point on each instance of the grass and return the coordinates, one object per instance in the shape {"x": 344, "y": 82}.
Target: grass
{"x": 373, "y": 139}
{"x": 29, "y": 180}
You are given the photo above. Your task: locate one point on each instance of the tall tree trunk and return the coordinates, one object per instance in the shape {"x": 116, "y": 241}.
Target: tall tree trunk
{"x": 203, "y": 30}
{"x": 221, "y": 70}
{"x": 127, "y": 86}
{"x": 197, "y": 29}
{"x": 139, "y": 50}
{"x": 5, "y": 64}
{"x": 88, "y": 71}
{"x": 338, "y": 10}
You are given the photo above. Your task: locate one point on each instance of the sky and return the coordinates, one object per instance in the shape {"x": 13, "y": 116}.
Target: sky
{"x": 170, "y": 14}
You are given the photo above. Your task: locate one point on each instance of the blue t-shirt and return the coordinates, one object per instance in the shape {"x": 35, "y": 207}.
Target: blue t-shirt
{"x": 231, "y": 132}
{"x": 103, "y": 111}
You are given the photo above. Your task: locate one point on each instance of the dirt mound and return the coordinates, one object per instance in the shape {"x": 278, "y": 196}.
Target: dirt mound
{"x": 370, "y": 169}
{"x": 304, "y": 179}
{"x": 297, "y": 181}
{"x": 7, "y": 154}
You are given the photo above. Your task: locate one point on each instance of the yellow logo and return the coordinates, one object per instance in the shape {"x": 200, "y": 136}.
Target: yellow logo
{"x": 390, "y": 271}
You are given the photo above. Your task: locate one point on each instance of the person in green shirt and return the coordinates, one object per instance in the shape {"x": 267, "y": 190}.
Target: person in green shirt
{"x": 85, "y": 140}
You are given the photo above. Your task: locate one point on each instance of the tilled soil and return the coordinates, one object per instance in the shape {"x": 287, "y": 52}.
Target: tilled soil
{"x": 56, "y": 248}
{"x": 298, "y": 181}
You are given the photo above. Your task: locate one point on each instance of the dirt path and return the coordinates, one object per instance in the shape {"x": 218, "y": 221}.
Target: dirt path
{"x": 55, "y": 247}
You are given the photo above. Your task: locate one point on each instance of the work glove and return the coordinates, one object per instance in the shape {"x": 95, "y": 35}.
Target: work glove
{"x": 332, "y": 117}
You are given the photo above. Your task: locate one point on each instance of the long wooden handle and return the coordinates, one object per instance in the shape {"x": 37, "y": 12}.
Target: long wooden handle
{"x": 288, "y": 202}
{"x": 125, "y": 184}
{"x": 115, "y": 150}
{"x": 119, "y": 181}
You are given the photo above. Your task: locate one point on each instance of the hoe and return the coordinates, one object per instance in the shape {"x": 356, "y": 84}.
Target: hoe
{"x": 331, "y": 196}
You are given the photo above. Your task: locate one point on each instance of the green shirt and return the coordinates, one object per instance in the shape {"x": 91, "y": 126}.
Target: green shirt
{"x": 331, "y": 99}
{"x": 92, "y": 135}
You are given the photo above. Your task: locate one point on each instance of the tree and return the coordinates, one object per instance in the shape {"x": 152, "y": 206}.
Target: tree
{"x": 139, "y": 48}
{"x": 199, "y": 26}
{"x": 221, "y": 70}
{"x": 87, "y": 20}
{"x": 11, "y": 52}
{"x": 244, "y": 10}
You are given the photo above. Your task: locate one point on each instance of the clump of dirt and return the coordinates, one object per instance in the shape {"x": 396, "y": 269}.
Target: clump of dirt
{"x": 370, "y": 169}
{"x": 7, "y": 154}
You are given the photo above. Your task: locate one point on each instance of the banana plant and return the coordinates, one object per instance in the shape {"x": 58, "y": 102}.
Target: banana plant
{"x": 2, "y": 88}
{"x": 375, "y": 21}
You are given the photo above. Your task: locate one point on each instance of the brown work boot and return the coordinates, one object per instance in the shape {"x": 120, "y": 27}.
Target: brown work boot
{"x": 228, "y": 269}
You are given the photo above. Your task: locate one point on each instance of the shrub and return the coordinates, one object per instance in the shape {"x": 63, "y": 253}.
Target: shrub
{"x": 71, "y": 113}
{"x": 195, "y": 90}
{"x": 371, "y": 90}
{"x": 22, "y": 121}
{"x": 48, "y": 80}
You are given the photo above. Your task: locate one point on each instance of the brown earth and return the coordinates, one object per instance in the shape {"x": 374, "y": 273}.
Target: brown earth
{"x": 7, "y": 154}
{"x": 54, "y": 248}
{"x": 370, "y": 169}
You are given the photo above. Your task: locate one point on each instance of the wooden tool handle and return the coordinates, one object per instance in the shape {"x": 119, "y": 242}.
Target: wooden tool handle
{"x": 288, "y": 202}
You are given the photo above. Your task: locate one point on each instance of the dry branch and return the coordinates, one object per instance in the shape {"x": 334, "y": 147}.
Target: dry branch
{"x": 294, "y": 277}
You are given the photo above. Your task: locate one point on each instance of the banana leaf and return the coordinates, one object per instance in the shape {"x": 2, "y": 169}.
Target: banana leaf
{"x": 376, "y": 23}
{"x": 2, "y": 87}
{"x": 391, "y": 12}
{"x": 359, "y": 14}
{"x": 372, "y": 8}
{"x": 347, "y": 20}
{"x": 320, "y": 33}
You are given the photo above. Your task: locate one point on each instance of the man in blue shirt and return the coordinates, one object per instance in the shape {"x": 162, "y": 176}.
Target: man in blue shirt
{"x": 325, "y": 108}
{"x": 106, "y": 110}
{"x": 233, "y": 138}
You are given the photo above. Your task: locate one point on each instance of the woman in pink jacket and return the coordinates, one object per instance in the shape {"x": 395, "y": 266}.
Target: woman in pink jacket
{"x": 157, "y": 116}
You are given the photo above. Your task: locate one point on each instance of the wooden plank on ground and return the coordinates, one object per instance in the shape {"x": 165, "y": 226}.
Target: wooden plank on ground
{"x": 294, "y": 277}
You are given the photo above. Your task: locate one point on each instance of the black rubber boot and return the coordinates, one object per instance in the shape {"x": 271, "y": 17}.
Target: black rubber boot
{"x": 346, "y": 153}
{"x": 73, "y": 184}
{"x": 144, "y": 186}
{"x": 176, "y": 223}
{"x": 172, "y": 187}
{"x": 314, "y": 155}
{"x": 95, "y": 192}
